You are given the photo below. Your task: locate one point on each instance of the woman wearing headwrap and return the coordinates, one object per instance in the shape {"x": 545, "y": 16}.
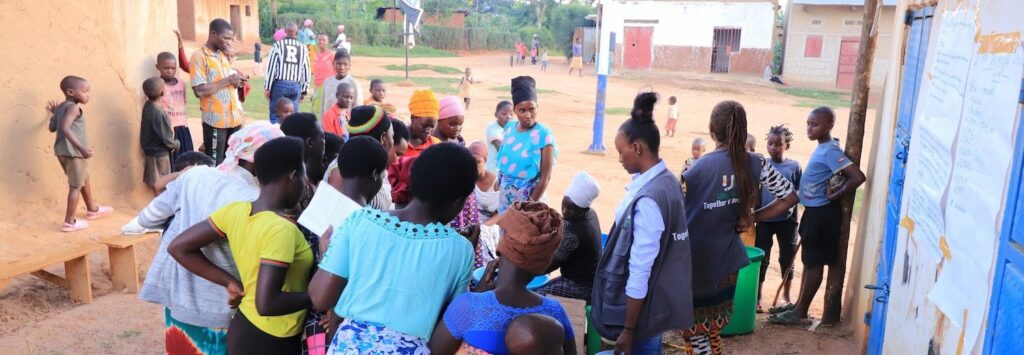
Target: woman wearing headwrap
{"x": 532, "y": 233}
{"x": 194, "y": 308}
{"x": 424, "y": 110}
{"x": 373, "y": 122}
{"x": 527, "y": 153}
{"x": 580, "y": 248}
{"x": 449, "y": 130}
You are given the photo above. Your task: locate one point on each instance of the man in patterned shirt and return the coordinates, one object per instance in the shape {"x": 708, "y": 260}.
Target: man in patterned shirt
{"x": 216, "y": 84}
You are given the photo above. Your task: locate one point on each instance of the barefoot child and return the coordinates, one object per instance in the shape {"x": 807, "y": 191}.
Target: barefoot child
{"x": 377, "y": 92}
{"x": 336, "y": 116}
{"x": 466, "y": 86}
{"x": 673, "y": 117}
{"x": 823, "y": 212}
{"x": 72, "y": 149}
{"x": 284, "y": 107}
{"x": 532, "y": 232}
{"x": 155, "y": 134}
{"x": 544, "y": 60}
{"x": 173, "y": 102}
{"x": 784, "y": 226}
{"x": 696, "y": 150}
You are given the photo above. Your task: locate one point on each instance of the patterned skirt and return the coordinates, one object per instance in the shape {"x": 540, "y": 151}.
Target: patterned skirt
{"x": 712, "y": 313}
{"x": 186, "y": 339}
{"x": 356, "y": 337}
{"x": 514, "y": 190}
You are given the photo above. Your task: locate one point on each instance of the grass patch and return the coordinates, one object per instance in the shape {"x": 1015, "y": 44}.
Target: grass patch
{"x": 508, "y": 88}
{"x": 440, "y": 69}
{"x": 617, "y": 111}
{"x": 397, "y": 52}
{"x": 815, "y": 98}
{"x": 255, "y": 105}
{"x": 446, "y": 86}
{"x": 858, "y": 201}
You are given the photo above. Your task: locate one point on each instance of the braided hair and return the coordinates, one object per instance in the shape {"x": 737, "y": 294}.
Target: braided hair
{"x": 729, "y": 126}
{"x": 781, "y": 131}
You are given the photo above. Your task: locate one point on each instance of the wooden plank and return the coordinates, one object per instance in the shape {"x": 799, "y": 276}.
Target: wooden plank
{"x": 124, "y": 272}
{"x": 79, "y": 282}
{"x": 51, "y": 278}
{"x": 48, "y": 257}
{"x": 125, "y": 241}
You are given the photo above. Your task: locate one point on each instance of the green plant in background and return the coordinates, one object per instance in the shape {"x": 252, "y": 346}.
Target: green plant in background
{"x": 816, "y": 98}
{"x": 440, "y": 69}
{"x": 563, "y": 20}
{"x": 617, "y": 111}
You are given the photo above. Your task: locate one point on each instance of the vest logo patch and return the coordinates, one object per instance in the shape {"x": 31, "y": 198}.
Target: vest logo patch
{"x": 681, "y": 236}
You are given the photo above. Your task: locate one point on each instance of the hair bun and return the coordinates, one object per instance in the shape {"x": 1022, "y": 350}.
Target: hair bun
{"x": 643, "y": 107}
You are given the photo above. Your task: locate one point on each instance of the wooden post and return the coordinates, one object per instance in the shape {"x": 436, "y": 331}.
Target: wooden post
{"x": 854, "y": 148}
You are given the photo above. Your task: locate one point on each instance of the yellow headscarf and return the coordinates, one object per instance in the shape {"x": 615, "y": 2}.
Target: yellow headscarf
{"x": 423, "y": 103}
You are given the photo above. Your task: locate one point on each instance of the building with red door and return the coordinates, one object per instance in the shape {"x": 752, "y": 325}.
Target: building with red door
{"x": 822, "y": 40}
{"x": 727, "y": 36}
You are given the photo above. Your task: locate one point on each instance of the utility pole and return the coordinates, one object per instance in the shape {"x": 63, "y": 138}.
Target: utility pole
{"x": 603, "y": 64}
{"x": 854, "y": 148}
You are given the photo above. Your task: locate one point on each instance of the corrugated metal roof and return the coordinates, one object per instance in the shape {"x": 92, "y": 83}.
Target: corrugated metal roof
{"x": 838, "y": 2}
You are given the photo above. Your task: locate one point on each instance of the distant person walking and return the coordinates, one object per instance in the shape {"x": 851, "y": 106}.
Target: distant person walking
{"x": 288, "y": 71}
{"x": 534, "y": 49}
{"x": 342, "y": 40}
{"x": 308, "y": 37}
{"x": 577, "y": 58}
{"x": 216, "y": 85}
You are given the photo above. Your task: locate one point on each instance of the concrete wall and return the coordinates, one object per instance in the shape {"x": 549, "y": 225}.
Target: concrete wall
{"x": 832, "y": 23}
{"x": 111, "y": 43}
{"x": 208, "y": 10}
{"x": 684, "y": 31}
{"x": 914, "y": 325}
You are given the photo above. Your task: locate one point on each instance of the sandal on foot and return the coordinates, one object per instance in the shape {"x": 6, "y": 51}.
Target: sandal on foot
{"x": 788, "y": 318}
{"x": 99, "y": 212}
{"x": 782, "y": 308}
{"x": 74, "y": 227}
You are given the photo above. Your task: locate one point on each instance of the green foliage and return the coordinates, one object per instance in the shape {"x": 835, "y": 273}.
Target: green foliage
{"x": 562, "y": 21}
{"x": 617, "y": 111}
{"x": 486, "y": 39}
{"x": 440, "y": 37}
{"x": 440, "y": 69}
{"x": 399, "y": 52}
{"x": 526, "y": 35}
{"x": 816, "y": 98}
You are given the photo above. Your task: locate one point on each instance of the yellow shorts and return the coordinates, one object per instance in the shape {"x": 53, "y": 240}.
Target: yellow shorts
{"x": 576, "y": 63}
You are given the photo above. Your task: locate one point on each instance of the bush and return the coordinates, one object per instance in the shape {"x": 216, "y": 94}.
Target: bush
{"x": 526, "y": 35}
{"x": 485, "y": 39}
{"x": 444, "y": 38}
{"x": 563, "y": 21}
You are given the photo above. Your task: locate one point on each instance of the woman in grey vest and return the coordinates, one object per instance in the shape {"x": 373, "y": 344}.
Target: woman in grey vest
{"x": 721, "y": 192}
{"x": 637, "y": 294}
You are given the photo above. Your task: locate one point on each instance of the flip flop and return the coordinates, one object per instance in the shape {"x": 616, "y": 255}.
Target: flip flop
{"x": 74, "y": 227}
{"x": 788, "y": 318}
{"x": 99, "y": 212}
{"x": 782, "y": 308}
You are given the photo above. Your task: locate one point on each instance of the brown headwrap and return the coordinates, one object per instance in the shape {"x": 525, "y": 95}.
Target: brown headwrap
{"x": 532, "y": 233}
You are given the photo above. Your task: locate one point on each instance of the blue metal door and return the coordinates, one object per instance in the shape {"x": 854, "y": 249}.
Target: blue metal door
{"x": 920, "y": 22}
{"x": 1005, "y": 318}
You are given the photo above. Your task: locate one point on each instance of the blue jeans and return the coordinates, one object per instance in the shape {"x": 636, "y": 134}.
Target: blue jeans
{"x": 649, "y": 346}
{"x": 283, "y": 88}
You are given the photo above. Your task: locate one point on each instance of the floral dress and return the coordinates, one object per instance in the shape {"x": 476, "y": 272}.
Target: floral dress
{"x": 519, "y": 162}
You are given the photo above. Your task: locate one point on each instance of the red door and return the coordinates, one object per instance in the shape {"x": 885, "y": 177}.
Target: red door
{"x": 847, "y": 72}
{"x": 637, "y": 47}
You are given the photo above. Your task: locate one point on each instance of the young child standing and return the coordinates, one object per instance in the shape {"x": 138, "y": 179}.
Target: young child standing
{"x": 336, "y": 116}
{"x": 72, "y": 150}
{"x": 697, "y": 149}
{"x": 544, "y": 60}
{"x": 823, "y": 212}
{"x": 784, "y": 226}
{"x": 342, "y": 65}
{"x": 673, "y": 117}
{"x": 377, "y": 92}
{"x": 496, "y": 132}
{"x": 173, "y": 102}
{"x": 155, "y": 134}
{"x": 284, "y": 107}
{"x": 466, "y": 86}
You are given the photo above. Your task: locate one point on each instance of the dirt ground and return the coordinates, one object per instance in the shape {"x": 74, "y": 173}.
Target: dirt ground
{"x": 37, "y": 317}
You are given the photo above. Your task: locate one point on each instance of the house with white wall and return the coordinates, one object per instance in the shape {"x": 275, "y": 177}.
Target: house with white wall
{"x": 727, "y": 36}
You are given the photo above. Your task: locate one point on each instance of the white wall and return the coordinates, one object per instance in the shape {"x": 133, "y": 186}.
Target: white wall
{"x": 692, "y": 23}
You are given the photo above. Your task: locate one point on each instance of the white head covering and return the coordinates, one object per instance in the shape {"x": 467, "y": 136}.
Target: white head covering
{"x": 583, "y": 189}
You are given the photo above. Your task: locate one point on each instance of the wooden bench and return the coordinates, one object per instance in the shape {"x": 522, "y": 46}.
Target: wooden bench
{"x": 124, "y": 269}
{"x": 76, "y": 267}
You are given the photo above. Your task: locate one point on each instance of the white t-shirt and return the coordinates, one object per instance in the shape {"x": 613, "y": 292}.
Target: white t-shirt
{"x": 673, "y": 112}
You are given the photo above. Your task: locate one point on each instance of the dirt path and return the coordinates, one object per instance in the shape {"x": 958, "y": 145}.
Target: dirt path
{"x": 36, "y": 317}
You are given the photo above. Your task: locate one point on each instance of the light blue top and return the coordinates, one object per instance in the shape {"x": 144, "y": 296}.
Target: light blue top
{"x": 827, "y": 159}
{"x": 647, "y": 229}
{"x": 480, "y": 320}
{"x": 494, "y": 131}
{"x": 520, "y": 152}
{"x": 307, "y": 37}
{"x": 400, "y": 275}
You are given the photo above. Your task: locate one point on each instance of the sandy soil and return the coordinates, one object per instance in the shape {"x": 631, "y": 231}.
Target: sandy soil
{"x": 36, "y": 317}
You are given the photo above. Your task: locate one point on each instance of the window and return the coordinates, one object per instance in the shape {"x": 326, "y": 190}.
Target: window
{"x": 248, "y": 10}
{"x": 812, "y": 48}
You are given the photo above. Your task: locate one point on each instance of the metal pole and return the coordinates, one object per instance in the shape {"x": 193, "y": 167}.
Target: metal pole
{"x": 406, "y": 36}
{"x": 603, "y": 59}
{"x": 854, "y": 148}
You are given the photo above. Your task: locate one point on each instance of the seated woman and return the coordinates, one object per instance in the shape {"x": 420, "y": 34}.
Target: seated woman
{"x": 272, "y": 256}
{"x": 532, "y": 233}
{"x": 390, "y": 304}
{"x": 580, "y": 249}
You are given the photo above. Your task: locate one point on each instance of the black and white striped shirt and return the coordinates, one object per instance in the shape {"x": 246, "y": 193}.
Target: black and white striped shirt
{"x": 288, "y": 60}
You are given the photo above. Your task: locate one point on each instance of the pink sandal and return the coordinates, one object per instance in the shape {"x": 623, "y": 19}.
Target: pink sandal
{"x": 100, "y": 212}
{"x": 74, "y": 227}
